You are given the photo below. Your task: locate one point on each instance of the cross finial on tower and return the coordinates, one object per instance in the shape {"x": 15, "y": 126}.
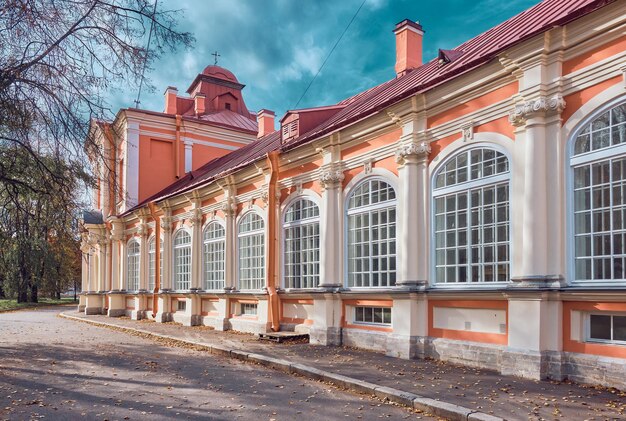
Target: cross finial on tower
{"x": 216, "y": 55}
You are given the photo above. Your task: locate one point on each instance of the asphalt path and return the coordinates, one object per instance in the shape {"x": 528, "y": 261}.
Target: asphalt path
{"x": 57, "y": 369}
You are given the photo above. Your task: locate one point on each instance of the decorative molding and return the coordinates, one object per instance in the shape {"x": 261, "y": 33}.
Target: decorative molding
{"x": 412, "y": 150}
{"x": 196, "y": 217}
{"x": 166, "y": 223}
{"x": 367, "y": 165}
{"x": 331, "y": 177}
{"x": 541, "y": 105}
{"x": 623, "y": 70}
{"x": 467, "y": 130}
{"x": 229, "y": 207}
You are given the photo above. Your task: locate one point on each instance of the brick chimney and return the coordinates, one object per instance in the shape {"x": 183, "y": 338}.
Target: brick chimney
{"x": 265, "y": 118}
{"x": 409, "y": 36}
{"x": 199, "y": 106}
{"x": 170, "y": 100}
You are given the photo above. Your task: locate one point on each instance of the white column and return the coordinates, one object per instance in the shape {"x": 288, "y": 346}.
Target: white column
{"x": 101, "y": 284}
{"x": 532, "y": 118}
{"x": 92, "y": 269}
{"x": 230, "y": 264}
{"x": 331, "y": 227}
{"x": 413, "y": 208}
{"x": 166, "y": 228}
{"x": 196, "y": 250}
{"x": 143, "y": 255}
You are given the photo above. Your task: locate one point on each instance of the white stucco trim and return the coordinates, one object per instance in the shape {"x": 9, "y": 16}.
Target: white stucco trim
{"x": 380, "y": 173}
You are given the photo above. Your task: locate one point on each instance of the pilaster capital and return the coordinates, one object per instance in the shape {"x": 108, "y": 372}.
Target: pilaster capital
{"x": 265, "y": 194}
{"x": 331, "y": 176}
{"x": 142, "y": 230}
{"x": 229, "y": 208}
{"x": 412, "y": 152}
{"x": 541, "y": 106}
{"x": 166, "y": 224}
{"x": 196, "y": 217}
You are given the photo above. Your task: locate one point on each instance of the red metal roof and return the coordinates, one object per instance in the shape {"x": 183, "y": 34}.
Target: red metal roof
{"x": 230, "y": 119}
{"x": 475, "y": 52}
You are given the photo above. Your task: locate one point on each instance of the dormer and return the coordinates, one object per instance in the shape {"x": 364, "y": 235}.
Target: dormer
{"x": 295, "y": 123}
{"x": 226, "y": 101}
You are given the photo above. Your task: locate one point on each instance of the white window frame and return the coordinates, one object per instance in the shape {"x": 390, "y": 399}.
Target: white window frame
{"x": 588, "y": 337}
{"x": 362, "y": 210}
{"x": 303, "y": 222}
{"x": 587, "y": 158}
{"x": 261, "y": 232}
{"x": 174, "y": 249}
{"x": 213, "y": 242}
{"x": 152, "y": 271}
{"x": 135, "y": 260}
{"x": 467, "y": 186}
{"x": 383, "y": 324}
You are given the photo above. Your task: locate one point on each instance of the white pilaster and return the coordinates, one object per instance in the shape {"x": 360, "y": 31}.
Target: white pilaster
{"x": 196, "y": 249}
{"x": 131, "y": 165}
{"x": 188, "y": 155}
{"x": 102, "y": 250}
{"x": 166, "y": 227}
{"x": 143, "y": 256}
{"x": 331, "y": 227}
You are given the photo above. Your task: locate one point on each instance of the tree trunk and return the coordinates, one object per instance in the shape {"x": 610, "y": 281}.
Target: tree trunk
{"x": 33, "y": 294}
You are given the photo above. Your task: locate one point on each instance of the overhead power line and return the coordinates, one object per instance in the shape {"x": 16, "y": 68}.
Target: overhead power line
{"x": 330, "y": 53}
{"x": 145, "y": 63}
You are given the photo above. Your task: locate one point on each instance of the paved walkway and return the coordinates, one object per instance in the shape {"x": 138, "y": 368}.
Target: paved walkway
{"x": 483, "y": 390}
{"x": 57, "y": 369}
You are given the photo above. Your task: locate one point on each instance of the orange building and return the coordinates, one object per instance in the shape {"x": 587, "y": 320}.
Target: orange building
{"x": 470, "y": 209}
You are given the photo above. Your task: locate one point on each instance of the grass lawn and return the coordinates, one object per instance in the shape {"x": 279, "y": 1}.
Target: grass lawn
{"x": 13, "y": 304}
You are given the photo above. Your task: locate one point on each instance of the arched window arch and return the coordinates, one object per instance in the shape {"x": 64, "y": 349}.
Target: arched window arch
{"x": 251, "y": 236}
{"x": 472, "y": 218}
{"x": 371, "y": 227}
{"x": 152, "y": 262}
{"x": 301, "y": 231}
{"x": 213, "y": 255}
{"x": 132, "y": 263}
{"x": 182, "y": 260}
{"x": 598, "y": 196}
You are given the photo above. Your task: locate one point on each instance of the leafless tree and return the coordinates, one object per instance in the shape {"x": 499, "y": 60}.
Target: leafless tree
{"x": 59, "y": 60}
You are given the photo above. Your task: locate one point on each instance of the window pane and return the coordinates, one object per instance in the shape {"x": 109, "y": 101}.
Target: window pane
{"x": 600, "y": 327}
{"x": 619, "y": 328}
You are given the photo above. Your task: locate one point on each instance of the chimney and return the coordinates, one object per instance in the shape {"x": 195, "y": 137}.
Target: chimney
{"x": 265, "y": 118}
{"x": 170, "y": 100}
{"x": 199, "y": 99}
{"x": 409, "y": 36}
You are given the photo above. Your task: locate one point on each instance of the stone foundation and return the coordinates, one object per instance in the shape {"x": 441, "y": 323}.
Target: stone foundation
{"x": 472, "y": 354}
{"x": 594, "y": 369}
{"x": 330, "y": 336}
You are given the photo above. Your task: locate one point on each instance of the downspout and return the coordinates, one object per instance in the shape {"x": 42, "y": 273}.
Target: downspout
{"x": 177, "y": 145}
{"x": 274, "y": 299}
{"x": 157, "y": 258}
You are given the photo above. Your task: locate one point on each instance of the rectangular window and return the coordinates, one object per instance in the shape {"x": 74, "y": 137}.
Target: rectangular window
{"x": 372, "y": 315}
{"x": 181, "y": 305}
{"x": 607, "y": 328}
{"x": 248, "y": 309}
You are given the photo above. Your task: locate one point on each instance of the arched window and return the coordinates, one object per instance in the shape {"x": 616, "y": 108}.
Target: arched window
{"x": 598, "y": 164}
{"x": 213, "y": 256}
{"x": 471, "y": 212}
{"x": 302, "y": 245}
{"x": 372, "y": 235}
{"x": 182, "y": 260}
{"x": 251, "y": 237}
{"x": 152, "y": 261}
{"x": 132, "y": 264}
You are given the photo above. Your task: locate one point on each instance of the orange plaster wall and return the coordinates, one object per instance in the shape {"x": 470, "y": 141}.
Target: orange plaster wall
{"x": 607, "y": 350}
{"x": 597, "y": 54}
{"x": 576, "y": 100}
{"x": 475, "y": 104}
{"x": 156, "y": 165}
{"x": 201, "y": 154}
{"x": 462, "y": 335}
{"x": 300, "y": 169}
{"x": 369, "y": 145}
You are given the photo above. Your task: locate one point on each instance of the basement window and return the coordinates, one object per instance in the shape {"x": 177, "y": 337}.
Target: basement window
{"x": 609, "y": 328}
{"x": 181, "y": 305}
{"x": 248, "y": 309}
{"x": 372, "y": 315}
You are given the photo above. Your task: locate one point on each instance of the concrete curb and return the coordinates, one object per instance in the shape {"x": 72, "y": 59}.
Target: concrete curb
{"x": 439, "y": 408}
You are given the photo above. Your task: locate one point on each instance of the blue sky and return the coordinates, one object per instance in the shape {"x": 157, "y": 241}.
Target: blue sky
{"x": 275, "y": 47}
